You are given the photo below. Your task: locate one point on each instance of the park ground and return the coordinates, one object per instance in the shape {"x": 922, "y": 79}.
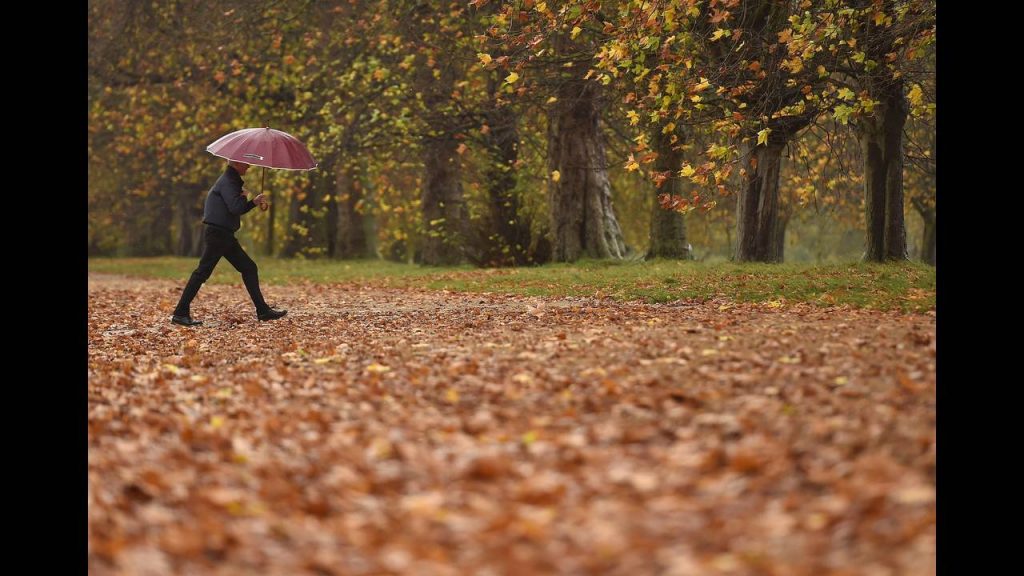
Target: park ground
{"x": 666, "y": 418}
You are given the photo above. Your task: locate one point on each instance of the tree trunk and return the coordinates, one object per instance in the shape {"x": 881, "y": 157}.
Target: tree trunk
{"x": 928, "y": 254}
{"x": 881, "y": 138}
{"x": 186, "y": 221}
{"x": 148, "y": 232}
{"x": 780, "y": 238}
{"x": 757, "y": 205}
{"x": 668, "y": 229}
{"x": 304, "y": 235}
{"x": 583, "y": 222}
{"x": 443, "y": 209}
{"x": 508, "y": 237}
{"x": 444, "y": 214}
{"x": 928, "y": 216}
{"x": 350, "y": 241}
{"x": 331, "y": 216}
{"x": 293, "y": 238}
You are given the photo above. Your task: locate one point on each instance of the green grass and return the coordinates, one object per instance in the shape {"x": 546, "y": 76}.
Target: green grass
{"x": 904, "y": 286}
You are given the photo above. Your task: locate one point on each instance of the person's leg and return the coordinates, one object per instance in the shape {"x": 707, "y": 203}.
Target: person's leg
{"x": 212, "y": 252}
{"x": 250, "y": 274}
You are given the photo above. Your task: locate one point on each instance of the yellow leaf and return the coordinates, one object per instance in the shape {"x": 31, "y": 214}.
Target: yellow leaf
{"x": 687, "y": 171}
{"x": 762, "y": 136}
{"x": 774, "y": 304}
{"x": 708, "y": 352}
{"x": 484, "y": 57}
{"x": 523, "y": 378}
{"x": 668, "y": 128}
{"x": 846, "y": 94}
{"x": 718, "y": 34}
{"x": 216, "y": 422}
{"x": 556, "y": 175}
{"x": 575, "y": 32}
{"x": 511, "y": 78}
{"x": 377, "y": 368}
{"x": 451, "y": 396}
{"x": 916, "y": 95}
{"x": 552, "y": 100}
{"x": 530, "y": 437}
{"x": 634, "y": 118}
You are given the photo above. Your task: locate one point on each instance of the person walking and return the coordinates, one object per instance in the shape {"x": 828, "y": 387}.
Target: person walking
{"x": 225, "y": 204}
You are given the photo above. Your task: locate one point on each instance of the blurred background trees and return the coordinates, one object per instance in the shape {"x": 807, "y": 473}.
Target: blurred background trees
{"x": 502, "y": 133}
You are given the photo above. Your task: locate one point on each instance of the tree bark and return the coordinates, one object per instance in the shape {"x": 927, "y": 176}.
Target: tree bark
{"x": 780, "y": 238}
{"x": 881, "y": 139}
{"x": 189, "y": 217}
{"x": 508, "y": 238}
{"x": 583, "y": 221}
{"x": 305, "y": 234}
{"x": 928, "y": 256}
{"x": 351, "y": 240}
{"x": 445, "y": 219}
{"x": 757, "y": 205}
{"x": 292, "y": 240}
{"x": 331, "y": 215}
{"x": 147, "y": 232}
{"x": 444, "y": 213}
{"x": 928, "y": 242}
{"x": 668, "y": 228}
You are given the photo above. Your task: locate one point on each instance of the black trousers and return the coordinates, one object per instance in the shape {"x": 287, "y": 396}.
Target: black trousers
{"x": 222, "y": 242}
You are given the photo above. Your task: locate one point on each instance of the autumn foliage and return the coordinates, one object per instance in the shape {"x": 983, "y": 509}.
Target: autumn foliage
{"x": 437, "y": 125}
{"x": 403, "y": 431}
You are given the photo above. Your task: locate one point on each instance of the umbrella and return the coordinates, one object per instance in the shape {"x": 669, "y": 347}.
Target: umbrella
{"x": 264, "y": 147}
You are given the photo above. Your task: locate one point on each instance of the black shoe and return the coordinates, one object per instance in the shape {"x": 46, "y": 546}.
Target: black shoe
{"x": 185, "y": 320}
{"x": 271, "y": 314}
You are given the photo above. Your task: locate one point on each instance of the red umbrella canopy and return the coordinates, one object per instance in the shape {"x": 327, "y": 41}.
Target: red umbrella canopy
{"x": 264, "y": 147}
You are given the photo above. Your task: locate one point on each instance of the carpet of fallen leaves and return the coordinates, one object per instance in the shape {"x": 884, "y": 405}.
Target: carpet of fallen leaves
{"x": 387, "y": 431}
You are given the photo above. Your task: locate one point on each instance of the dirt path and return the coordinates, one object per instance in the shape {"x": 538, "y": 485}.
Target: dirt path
{"x": 403, "y": 432}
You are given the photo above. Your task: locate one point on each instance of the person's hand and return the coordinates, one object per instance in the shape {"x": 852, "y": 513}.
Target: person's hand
{"x": 262, "y": 201}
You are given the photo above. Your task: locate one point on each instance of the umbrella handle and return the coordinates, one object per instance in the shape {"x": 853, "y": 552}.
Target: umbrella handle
{"x": 264, "y": 206}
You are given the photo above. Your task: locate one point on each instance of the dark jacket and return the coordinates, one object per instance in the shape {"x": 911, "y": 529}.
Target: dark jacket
{"x": 226, "y": 202}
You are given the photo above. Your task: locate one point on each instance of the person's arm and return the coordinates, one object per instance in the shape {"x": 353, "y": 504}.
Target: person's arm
{"x": 234, "y": 197}
{"x": 249, "y": 205}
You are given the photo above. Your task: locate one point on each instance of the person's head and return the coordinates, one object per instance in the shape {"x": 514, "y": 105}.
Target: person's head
{"x": 239, "y": 167}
